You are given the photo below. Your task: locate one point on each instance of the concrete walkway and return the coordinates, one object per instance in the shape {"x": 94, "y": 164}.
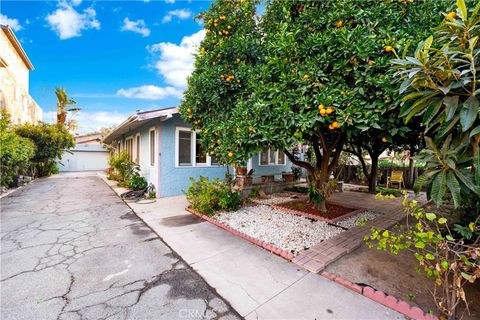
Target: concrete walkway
{"x": 258, "y": 284}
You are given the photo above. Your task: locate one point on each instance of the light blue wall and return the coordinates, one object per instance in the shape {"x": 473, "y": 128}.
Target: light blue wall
{"x": 175, "y": 179}
{"x": 171, "y": 180}
{"x": 145, "y": 169}
{"x": 269, "y": 170}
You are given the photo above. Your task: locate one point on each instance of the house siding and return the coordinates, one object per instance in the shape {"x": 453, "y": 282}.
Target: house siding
{"x": 270, "y": 169}
{"x": 174, "y": 180}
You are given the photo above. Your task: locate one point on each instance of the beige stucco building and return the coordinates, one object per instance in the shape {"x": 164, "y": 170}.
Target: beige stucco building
{"x": 14, "y": 80}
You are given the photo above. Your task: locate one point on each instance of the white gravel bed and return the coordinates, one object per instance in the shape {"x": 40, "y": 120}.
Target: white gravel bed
{"x": 352, "y": 221}
{"x": 286, "y": 231}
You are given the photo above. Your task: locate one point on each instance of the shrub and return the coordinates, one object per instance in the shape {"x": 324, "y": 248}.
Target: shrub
{"x": 137, "y": 182}
{"x": 208, "y": 197}
{"x": 450, "y": 260}
{"x": 388, "y": 191}
{"x": 123, "y": 167}
{"x": 50, "y": 141}
{"x": 15, "y": 153}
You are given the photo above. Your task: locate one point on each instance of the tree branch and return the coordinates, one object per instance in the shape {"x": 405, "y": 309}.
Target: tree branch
{"x": 307, "y": 166}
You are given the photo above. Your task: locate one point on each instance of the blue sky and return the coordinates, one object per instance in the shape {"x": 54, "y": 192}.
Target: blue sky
{"x": 113, "y": 57}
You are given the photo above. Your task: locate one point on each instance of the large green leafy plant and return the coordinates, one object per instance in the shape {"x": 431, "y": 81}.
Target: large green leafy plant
{"x": 15, "y": 152}
{"x": 50, "y": 140}
{"x": 440, "y": 83}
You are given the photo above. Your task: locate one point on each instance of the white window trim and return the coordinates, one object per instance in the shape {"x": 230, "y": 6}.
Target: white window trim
{"x": 126, "y": 143}
{"x": 155, "y": 160}
{"x": 271, "y": 164}
{"x": 193, "y": 143}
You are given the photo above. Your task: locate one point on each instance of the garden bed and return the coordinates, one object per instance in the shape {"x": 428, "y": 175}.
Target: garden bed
{"x": 278, "y": 230}
{"x": 335, "y": 212}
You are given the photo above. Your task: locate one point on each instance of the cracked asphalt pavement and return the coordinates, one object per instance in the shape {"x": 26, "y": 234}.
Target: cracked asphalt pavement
{"x": 71, "y": 249}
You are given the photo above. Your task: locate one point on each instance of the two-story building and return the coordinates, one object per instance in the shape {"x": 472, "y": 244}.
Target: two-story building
{"x": 14, "y": 80}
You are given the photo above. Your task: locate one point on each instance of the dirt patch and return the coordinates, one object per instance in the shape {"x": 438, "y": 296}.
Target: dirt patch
{"x": 396, "y": 276}
{"x": 333, "y": 210}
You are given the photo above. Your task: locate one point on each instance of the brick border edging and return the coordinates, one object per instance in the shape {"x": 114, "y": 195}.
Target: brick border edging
{"x": 315, "y": 217}
{"x": 391, "y": 302}
{"x": 267, "y": 246}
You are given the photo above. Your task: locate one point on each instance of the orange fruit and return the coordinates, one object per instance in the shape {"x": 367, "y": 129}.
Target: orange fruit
{"x": 331, "y": 127}
{"x": 339, "y": 24}
{"x": 384, "y": 140}
{"x": 322, "y": 112}
{"x": 250, "y": 128}
{"x": 329, "y": 110}
{"x": 389, "y": 49}
{"x": 370, "y": 62}
{"x": 451, "y": 15}
{"x": 335, "y": 124}
{"x": 230, "y": 154}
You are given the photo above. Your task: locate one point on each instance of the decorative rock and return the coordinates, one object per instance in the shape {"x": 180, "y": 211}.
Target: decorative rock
{"x": 286, "y": 231}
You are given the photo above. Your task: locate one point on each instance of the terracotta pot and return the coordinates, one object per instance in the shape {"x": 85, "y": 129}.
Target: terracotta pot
{"x": 241, "y": 171}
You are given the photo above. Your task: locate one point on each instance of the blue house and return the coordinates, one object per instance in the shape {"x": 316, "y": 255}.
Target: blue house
{"x": 166, "y": 149}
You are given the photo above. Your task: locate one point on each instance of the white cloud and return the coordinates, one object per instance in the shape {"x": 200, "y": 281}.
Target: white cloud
{"x": 170, "y": 1}
{"x": 181, "y": 14}
{"x": 150, "y": 92}
{"x": 91, "y": 121}
{"x": 12, "y": 23}
{"x": 136, "y": 26}
{"x": 76, "y": 2}
{"x": 68, "y": 22}
{"x": 175, "y": 63}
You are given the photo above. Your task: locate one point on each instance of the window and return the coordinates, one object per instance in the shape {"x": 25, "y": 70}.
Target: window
{"x": 200, "y": 153}
{"x": 152, "y": 147}
{"x": 281, "y": 158}
{"x": 189, "y": 151}
{"x": 184, "y": 148}
{"x": 129, "y": 147}
{"x": 137, "y": 147}
{"x": 271, "y": 157}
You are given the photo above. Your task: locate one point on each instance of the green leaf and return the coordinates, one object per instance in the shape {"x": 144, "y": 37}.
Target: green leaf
{"x": 430, "y": 256}
{"x": 442, "y": 221}
{"x": 419, "y": 245}
{"x": 439, "y": 186}
{"x": 444, "y": 265}
{"x": 463, "y": 9}
{"x": 451, "y": 104}
{"x": 454, "y": 187}
{"x": 468, "y": 113}
{"x": 449, "y": 237}
{"x": 466, "y": 276}
{"x": 430, "y": 216}
{"x": 471, "y": 226}
{"x": 475, "y": 131}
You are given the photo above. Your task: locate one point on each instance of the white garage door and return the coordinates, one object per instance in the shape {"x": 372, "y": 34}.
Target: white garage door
{"x": 83, "y": 158}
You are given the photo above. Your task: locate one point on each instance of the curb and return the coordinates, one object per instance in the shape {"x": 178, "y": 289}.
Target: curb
{"x": 267, "y": 246}
{"x": 388, "y": 301}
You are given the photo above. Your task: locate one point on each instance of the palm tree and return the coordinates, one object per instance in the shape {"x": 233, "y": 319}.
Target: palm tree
{"x": 64, "y": 106}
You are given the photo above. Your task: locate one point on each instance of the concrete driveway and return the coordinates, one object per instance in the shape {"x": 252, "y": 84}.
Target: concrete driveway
{"x": 71, "y": 249}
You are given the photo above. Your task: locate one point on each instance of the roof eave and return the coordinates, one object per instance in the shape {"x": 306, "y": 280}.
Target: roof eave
{"x": 18, "y": 47}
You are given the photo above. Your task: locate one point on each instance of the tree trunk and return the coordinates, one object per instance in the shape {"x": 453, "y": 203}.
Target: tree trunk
{"x": 411, "y": 172}
{"x": 372, "y": 178}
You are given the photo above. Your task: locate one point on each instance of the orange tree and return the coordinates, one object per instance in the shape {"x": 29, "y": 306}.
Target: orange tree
{"x": 309, "y": 72}
{"x": 224, "y": 63}
{"x": 325, "y": 79}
